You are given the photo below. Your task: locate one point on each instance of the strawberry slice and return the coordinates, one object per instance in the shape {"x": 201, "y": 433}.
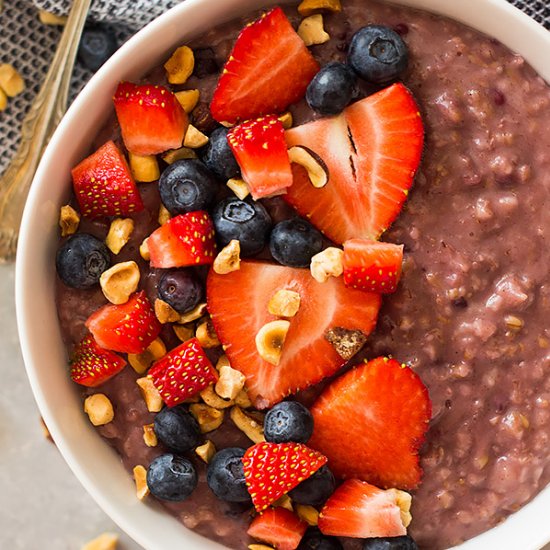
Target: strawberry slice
{"x": 238, "y": 305}
{"x": 273, "y": 469}
{"x": 104, "y": 186}
{"x": 360, "y": 510}
{"x": 372, "y": 151}
{"x": 151, "y": 118}
{"x": 268, "y": 69}
{"x": 128, "y": 328}
{"x": 260, "y": 149}
{"x": 187, "y": 239}
{"x": 372, "y": 265}
{"x": 390, "y": 408}
{"x": 92, "y": 365}
{"x": 278, "y": 527}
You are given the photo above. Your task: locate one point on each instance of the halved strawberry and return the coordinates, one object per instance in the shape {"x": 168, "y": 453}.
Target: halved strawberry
{"x": 390, "y": 411}
{"x": 128, "y": 328}
{"x": 104, "y": 186}
{"x": 238, "y": 305}
{"x": 187, "y": 239}
{"x": 92, "y": 365}
{"x": 372, "y": 151}
{"x": 182, "y": 372}
{"x": 273, "y": 469}
{"x": 372, "y": 265}
{"x": 260, "y": 149}
{"x": 278, "y": 527}
{"x": 151, "y": 118}
{"x": 360, "y": 510}
{"x": 268, "y": 69}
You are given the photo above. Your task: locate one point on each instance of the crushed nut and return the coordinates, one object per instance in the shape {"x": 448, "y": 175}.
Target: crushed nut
{"x": 145, "y": 168}
{"x": 106, "y": 541}
{"x": 149, "y": 435}
{"x": 316, "y": 169}
{"x": 284, "y": 502}
{"x": 206, "y": 451}
{"x": 165, "y": 312}
{"x": 307, "y": 513}
{"x": 259, "y": 547}
{"x": 69, "y": 220}
{"x": 119, "y": 234}
{"x": 150, "y": 394}
{"x": 286, "y": 120}
{"x": 239, "y": 187}
{"x": 270, "y": 340}
{"x": 242, "y": 399}
{"x": 211, "y": 398}
{"x": 312, "y": 31}
{"x": 327, "y": 263}
{"x": 45, "y": 430}
{"x": 99, "y": 409}
{"x": 194, "y": 138}
{"x": 223, "y": 361}
{"x": 188, "y": 99}
{"x": 310, "y": 7}
{"x": 142, "y": 361}
{"x": 10, "y": 80}
{"x": 47, "y": 18}
{"x": 184, "y": 332}
{"x": 144, "y": 250}
{"x": 228, "y": 259}
{"x": 164, "y": 215}
{"x": 193, "y": 315}
{"x": 178, "y": 154}
{"x": 180, "y": 65}
{"x": 230, "y": 383}
{"x": 209, "y": 419}
{"x": 253, "y": 429}
{"x": 346, "y": 342}
{"x": 403, "y": 500}
{"x": 284, "y": 303}
{"x": 3, "y": 100}
{"x": 140, "y": 477}
{"x": 119, "y": 282}
{"x": 206, "y": 335}
{"x": 513, "y": 322}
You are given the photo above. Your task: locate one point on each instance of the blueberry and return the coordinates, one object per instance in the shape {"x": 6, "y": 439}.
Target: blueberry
{"x": 171, "y": 477}
{"x": 186, "y": 186}
{"x": 377, "y": 54}
{"x": 316, "y": 489}
{"x": 218, "y": 157}
{"x": 225, "y": 475}
{"x": 180, "y": 289}
{"x": 247, "y": 222}
{"x": 177, "y": 429}
{"x": 81, "y": 260}
{"x": 315, "y": 540}
{"x": 331, "y": 89}
{"x": 294, "y": 242}
{"x": 288, "y": 421}
{"x": 97, "y": 44}
{"x": 390, "y": 543}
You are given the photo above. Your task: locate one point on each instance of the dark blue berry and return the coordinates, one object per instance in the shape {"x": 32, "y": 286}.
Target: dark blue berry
{"x": 288, "y": 421}
{"x": 331, "y": 89}
{"x": 390, "y": 543}
{"x": 97, "y": 44}
{"x": 81, "y": 260}
{"x": 378, "y": 54}
{"x": 171, "y": 477}
{"x": 294, "y": 242}
{"x": 218, "y": 157}
{"x": 186, "y": 186}
{"x": 248, "y": 222}
{"x": 225, "y": 475}
{"x": 180, "y": 289}
{"x": 315, "y": 540}
{"x": 177, "y": 429}
{"x": 316, "y": 489}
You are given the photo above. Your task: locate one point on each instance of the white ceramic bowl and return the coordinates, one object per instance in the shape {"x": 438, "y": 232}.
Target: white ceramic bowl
{"x": 91, "y": 459}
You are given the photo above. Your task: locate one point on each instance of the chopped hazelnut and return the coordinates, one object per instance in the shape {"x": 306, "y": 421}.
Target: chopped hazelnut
{"x": 119, "y": 234}
{"x": 239, "y": 187}
{"x": 286, "y": 120}
{"x": 284, "y": 303}
{"x": 206, "y": 335}
{"x": 307, "y": 513}
{"x": 140, "y": 362}
{"x": 194, "y": 138}
{"x": 140, "y": 477}
{"x": 312, "y": 31}
{"x": 144, "y": 250}
{"x": 270, "y": 340}
{"x": 310, "y": 7}
{"x": 150, "y": 394}
{"x": 403, "y": 500}
{"x": 164, "y": 216}
{"x": 228, "y": 259}
{"x": 193, "y": 315}
{"x": 10, "y": 80}
{"x": 317, "y": 170}
{"x": 188, "y": 99}
{"x": 284, "y": 502}
{"x": 206, "y": 451}
{"x": 105, "y": 541}
{"x": 211, "y": 398}
{"x": 165, "y": 312}
{"x": 149, "y": 435}
{"x": 178, "y": 154}
{"x": 47, "y": 18}
{"x": 69, "y": 219}
{"x": 242, "y": 399}
{"x": 223, "y": 361}
{"x": 184, "y": 332}
{"x": 119, "y": 282}
{"x": 3, "y": 100}
{"x": 259, "y": 547}
{"x": 180, "y": 65}
{"x": 230, "y": 383}
{"x": 99, "y": 409}
{"x": 253, "y": 429}
{"x": 209, "y": 419}
{"x": 145, "y": 168}
{"x": 328, "y": 263}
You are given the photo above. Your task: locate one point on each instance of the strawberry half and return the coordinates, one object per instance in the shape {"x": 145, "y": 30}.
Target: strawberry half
{"x": 238, "y": 305}
{"x": 260, "y": 149}
{"x": 104, "y": 186}
{"x": 390, "y": 408}
{"x": 372, "y": 151}
{"x": 127, "y": 328}
{"x": 278, "y": 527}
{"x": 360, "y": 510}
{"x": 92, "y": 365}
{"x": 151, "y": 118}
{"x": 187, "y": 239}
{"x": 372, "y": 265}
{"x": 268, "y": 69}
{"x": 273, "y": 469}
{"x": 182, "y": 372}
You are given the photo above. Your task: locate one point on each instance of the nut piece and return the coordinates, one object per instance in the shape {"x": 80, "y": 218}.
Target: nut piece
{"x": 47, "y": 18}
{"x": 142, "y": 361}
{"x": 259, "y": 547}
{"x": 120, "y": 281}
{"x": 309, "y": 7}
{"x": 286, "y": 120}
{"x": 188, "y": 99}
{"x": 140, "y": 477}
{"x": 230, "y": 383}
{"x": 248, "y": 425}
{"x": 145, "y": 168}
{"x": 209, "y": 419}
{"x": 180, "y": 66}
{"x": 164, "y": 215}
{"x": 327, "y": 263}
{"x": 178, "y": 154}
{"x": 403, "y": 500}
{"x": 106, "y": 541}
{"x": 3, "y": 100}
{"x": 316, "y": 169}
{"x": 68, "y": 220}
{"x": 144, "y": 250}
{"x": 165, "y": 312}
{"x": 10, "y": 80}
{"x": 346, "y": 342}
{"x": 149, "y": 435}
{"x": 193, "y": 315}
{"x": 228, "y": 259}
{"x": 223, "y": 361}
{"x": 239, "y": 187}
{"x": 243, "y": 400}
{"x": 184, "y": 332}
{"x": 312, "y": 32}
{"x": 206, "y": 335}
{"x": 284, "y": 303}
{"x": 99, "y": 409}
{"x": 270, "y": 340}
{"x": 150, "y": 394}
{"x": 307, "y": 513}
{"x": 194, "y": 138}
{"x": 207, "y": 451}
{"x": 211, "y": 398}
{"x": 119, "y": 234}
{"x": 284, "y": 502}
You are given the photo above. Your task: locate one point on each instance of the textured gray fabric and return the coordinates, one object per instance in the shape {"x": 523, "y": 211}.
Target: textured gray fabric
{"x": 29, "y": 46}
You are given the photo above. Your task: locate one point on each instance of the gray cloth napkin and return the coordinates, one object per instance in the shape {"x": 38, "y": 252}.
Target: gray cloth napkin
{"x": 29, "y": 46}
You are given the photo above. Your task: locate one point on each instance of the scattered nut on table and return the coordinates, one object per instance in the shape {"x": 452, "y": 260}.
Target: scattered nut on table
{"x": 119, "y": 282}
{"x": 47, "y": 18}
{"x": 99, "y": 409}
{"x": 327, "y": 263}
{"x": 180, "y": 65}
{"x": 10, "y": 80}
{"x": 105, "y": 541}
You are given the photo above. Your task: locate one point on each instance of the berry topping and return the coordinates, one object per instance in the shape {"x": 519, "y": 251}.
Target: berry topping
{"x": 92, "y": 365}
{"x": 260, "y": 149}
{"x": 225, "y": 475}
{"x": 104, "y": 186}
{"x": 151, "y": 118}
{"x": 81, "y": 260}
{"x": 331, "y": 89}
{"x": 404, "y": 542}
{"x": 278, "y": 527}
{"x": 294, "y": 242}
{"x": 218, "y": 156}
{"x": 177, "y": 429}
{"x": 315, "y": 540}
{"x": 378, "y": 54}
{"x": 180, "y": 289}
{"x": 128, "y": 328}
{"x": 182, "y": 372}
{"x": 386, "y": 409}
{"x": 97, "y": 44}
{"x": 316, "y": 489}
{"x": 268, "y": 69}
{"x": 288, "y": 421}
{"x": 247, "y": 222}
{"x": 171, "y": 477}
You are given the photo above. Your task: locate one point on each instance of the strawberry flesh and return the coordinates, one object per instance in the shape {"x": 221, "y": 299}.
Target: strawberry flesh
{"x": 278, "y": 527}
